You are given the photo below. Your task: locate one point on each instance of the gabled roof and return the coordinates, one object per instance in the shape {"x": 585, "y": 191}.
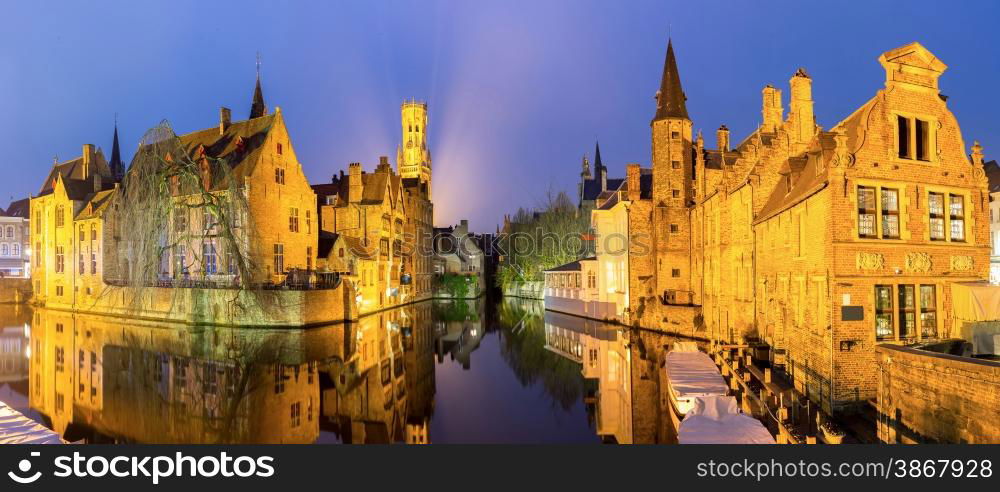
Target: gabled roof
{"x": 807, "y": 181}
{"x": 18, "y": 208}
{"x": 97, "y": 204}
{"x": 73, "y": 169}
{"x": 240, "y": 145}
{"x": 715, "y": 159}
{"x": 592, "y": 187}
{"x": 573, "y": 266}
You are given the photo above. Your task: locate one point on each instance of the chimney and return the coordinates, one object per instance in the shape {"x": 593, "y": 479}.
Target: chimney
{"x": 722, "y": 138}
{"x": 771, "y": 108}
{"x": 89, "y": 157}
{"x": 801, "y": 107}
{"x": 355, "y": 187}
{"x": 632, "y": 173}
{"x": 383, "y": 163}
{"x": 225, "y": 119}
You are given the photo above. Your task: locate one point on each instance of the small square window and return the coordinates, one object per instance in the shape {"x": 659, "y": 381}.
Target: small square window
{"x": 676, "y": 193}
{"x": 675, "y": 164}
{"x": 674, "y": 228}
{"x": 676, "y": 272}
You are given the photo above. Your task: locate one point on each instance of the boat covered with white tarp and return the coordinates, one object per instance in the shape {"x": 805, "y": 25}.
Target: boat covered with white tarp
{"x": 718, "y": 420}
{"x": 15, "y": 428}
{"x": 691, "y": 374}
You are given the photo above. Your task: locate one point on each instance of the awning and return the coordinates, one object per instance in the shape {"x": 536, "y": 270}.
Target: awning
{"x": 975, "y": 301}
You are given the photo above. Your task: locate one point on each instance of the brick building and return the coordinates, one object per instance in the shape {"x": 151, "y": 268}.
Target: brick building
{"x": 819, "y": 243}
{"x": 386, "y": 221}
{"x": 78, "y": 243}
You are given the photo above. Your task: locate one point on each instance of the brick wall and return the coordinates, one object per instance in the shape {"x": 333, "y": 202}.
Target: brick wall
{"x": 932, "y": 397}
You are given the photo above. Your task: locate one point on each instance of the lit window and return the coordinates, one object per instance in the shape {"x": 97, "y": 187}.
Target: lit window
{"x": 907, "y": 311}
{"x": 890, "y": 213}
{"x": 883, "y": 312}
{"x": 935, "y": 205}
{"x": 293, "y": 219}
{"x": 279, "y": 258}
{"x": 928, "y": 311}
{"x": 866, "y": 211}
{"x": 956, "y": 213}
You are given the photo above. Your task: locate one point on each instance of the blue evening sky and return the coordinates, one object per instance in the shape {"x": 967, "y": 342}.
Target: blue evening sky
{"x": 518, "y": 90}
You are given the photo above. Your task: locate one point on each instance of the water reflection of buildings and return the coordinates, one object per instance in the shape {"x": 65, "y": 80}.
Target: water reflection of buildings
{"x": 458, "y": 329}
{"x": 104, "y": 379}
{"x": 13, "y": 344}
{"x": 603, "y": 352}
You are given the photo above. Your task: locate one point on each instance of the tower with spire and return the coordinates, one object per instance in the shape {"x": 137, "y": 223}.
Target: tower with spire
{"x": 116, "y": 165}
{"x": 673, "y": 175}
{"x": 594, "y": 181}
{"x": 257, "y": 107}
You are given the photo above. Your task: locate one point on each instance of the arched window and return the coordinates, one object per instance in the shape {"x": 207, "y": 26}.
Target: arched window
{"x": 93, "y": 232}
{"x": 16, "y": 249}
{"x": 4, "y": 249}
{"x": 83, "y": 235}
{"x": 10, "y": 231}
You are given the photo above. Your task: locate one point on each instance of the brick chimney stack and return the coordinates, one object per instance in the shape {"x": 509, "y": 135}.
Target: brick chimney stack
{"x": 771, "y": 108}
{"x": 800, "y": 115}
{"x": 355, "y": 187}
{"x": 225, "y": 119}
{"x": 89, "y": 158}
{"x": 632, "y": 174}
{"x": 722, "y": 138}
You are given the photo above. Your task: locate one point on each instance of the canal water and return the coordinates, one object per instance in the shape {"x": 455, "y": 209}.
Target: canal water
{"x": 480, "y": 371}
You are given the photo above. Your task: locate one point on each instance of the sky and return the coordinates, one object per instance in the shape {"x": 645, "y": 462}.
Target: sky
{"x": 518, "y": 91}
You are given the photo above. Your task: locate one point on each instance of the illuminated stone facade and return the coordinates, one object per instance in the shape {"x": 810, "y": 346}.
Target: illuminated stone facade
{"x": 413, "y": 158}
{"x": 820, "y": 243}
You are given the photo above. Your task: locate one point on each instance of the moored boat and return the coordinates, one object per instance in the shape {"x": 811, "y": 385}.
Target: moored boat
{"x": 690, "y": 374}
{"x": 718, "y": 420}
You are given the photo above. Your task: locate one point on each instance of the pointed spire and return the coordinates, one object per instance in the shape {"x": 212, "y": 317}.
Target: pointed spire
{"x": 257, "y": 108}
{"x": 598, "y": 165}
{"x": 117, "y": 167}
{"x": 670, "y": 99}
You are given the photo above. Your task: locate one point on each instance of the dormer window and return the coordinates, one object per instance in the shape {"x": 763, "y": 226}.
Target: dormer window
{"x": 913, "y": 138}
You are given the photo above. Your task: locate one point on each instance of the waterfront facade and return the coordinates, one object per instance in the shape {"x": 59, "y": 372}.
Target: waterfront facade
{"x": 386, "y": 219}
{"x": 15, "y": 245}
{"x": 82, "y": 261}
{"x": 820, "y": 244}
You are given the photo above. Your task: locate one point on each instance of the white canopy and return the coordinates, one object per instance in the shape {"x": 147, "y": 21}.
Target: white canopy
{"x": 717, "y": 420}
{"x": 15, "y": 428}
{"x": 976, "y": 301}
{"x": 692, "y": 373}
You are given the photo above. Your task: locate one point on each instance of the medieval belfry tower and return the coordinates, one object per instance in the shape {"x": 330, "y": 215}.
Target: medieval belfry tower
{"x": 413, "y": 159}
{"x": 673, "y": 190}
